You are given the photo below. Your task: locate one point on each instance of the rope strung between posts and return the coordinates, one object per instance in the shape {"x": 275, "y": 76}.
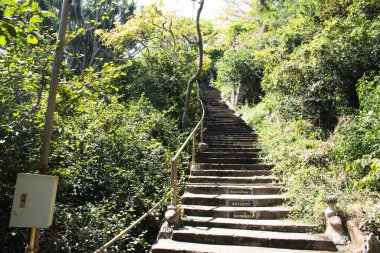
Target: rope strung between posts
{"x": 134, "y": 224}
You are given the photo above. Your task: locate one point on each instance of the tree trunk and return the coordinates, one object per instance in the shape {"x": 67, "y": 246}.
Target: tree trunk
{"x": 185, "y": 118}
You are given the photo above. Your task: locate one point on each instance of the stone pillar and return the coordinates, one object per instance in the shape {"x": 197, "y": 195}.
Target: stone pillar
{"x": 334, "y": 229}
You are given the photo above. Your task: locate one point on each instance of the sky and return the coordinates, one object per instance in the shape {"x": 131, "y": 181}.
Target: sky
{"x": 211, "y": 9}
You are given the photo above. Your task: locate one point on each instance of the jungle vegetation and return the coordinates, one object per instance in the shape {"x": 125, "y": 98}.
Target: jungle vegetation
{"x": 311, "y": 69}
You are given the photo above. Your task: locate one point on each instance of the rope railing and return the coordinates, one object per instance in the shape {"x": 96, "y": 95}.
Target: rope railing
{"x": 174, "y": 183}
{"x": 125, "y": 231}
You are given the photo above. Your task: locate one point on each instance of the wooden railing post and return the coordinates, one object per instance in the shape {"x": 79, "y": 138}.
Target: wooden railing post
{"x": 201, "y": 138}
{"x": 193, "y": 149}
{"x": 174, "y": 182}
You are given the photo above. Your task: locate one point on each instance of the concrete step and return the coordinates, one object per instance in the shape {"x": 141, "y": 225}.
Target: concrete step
{"x": 221, "y": 166}
{"x": 207, "y": 135}
{"x": 221, "y": 154}
{"x": 220, "y": 145}
{"x": 219, "y": 125}
{"x": 218, "y": 188}
{"x": 237, "y": 132}
{"x": 223, "y": 119}
{"x": 170, "y": 246}
{"x": 224, "y": 141}
{"x": 228, "y": 128}
{"x": 232, "y": 150}
{"x": 266, "y": 225}
{"x": 228, "y": 160}
{"x": 231, "y": 173}
{"x": 235, "y": 180}
{"x": 235, "y": 200}
{"x": 224, "y": 138}
{"x": 237, "y": 212}
{"x": 254, "y": 238}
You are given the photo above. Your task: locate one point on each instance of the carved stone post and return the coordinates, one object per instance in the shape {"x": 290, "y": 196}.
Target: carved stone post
{"x": 172, "y": 221}
{"x": 334, "y": 229}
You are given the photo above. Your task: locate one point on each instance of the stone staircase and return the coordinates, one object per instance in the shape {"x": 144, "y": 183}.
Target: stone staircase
{"x": 232, "y": 203}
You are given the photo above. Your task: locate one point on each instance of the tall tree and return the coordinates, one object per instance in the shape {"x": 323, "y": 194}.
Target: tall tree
{"x": 185, "y": 118}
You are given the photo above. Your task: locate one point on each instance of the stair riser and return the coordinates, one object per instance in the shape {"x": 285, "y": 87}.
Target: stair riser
{"x": 209, "y": 166}
{"x": 232, "y": 150}
{"x": 238, "y": 215}
{"x": 228, "y": 128}
{"x": 221, "y": 173}
{"x": 252, "y": 140}
{"x": 231, "y": 142}
{"x": 226, "y": 190}
{"x": 235, "y": 145}
{"x": 217, "y": 136}
{"x": 231, "y": 181}
{"x": 274, "y": 228}
{"x": 240, "y": 133}
{"x": 234, "y": 203}
{"x": 228, "y": 160}
{"x": 223, "y": 120}
{"x": 258, "y": 242}
{"x": 227, "y": 154}
{"x": 232, "y": 125}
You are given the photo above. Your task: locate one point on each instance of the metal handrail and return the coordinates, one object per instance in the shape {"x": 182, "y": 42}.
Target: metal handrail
{"x": 174, "y": 162}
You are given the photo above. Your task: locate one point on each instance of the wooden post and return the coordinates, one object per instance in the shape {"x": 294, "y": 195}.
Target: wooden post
{"x": 174, "y": 182}
{"x": 193, "y": 149}
{"x": 45, "y": 150}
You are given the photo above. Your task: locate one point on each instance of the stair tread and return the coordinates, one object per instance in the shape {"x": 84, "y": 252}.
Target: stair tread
{"x": 232, "y": 196}
{"x": 238, "y": 209}
{"x": 239, "y": 186}
{"x": 248, "y": 221}
{"x": 251, "y": 233}
{"x": 229, "y": 177}
{"x": 235, "y": 164}
{"x": 186, "y": 247}
{"x": 225, "y": 171}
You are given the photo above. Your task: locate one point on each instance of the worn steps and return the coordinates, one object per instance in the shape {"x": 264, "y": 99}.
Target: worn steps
{"x": 266, "y": 225}
{"x": 243, "y": 237}
{"x": 231, "y": 173}
{"x": 221, "y": 166}
{"x": 218, "y": 188}
{"x": 237, "y": 212}
{"x": 235, "y": 180}
{"x": 171, "y": 246}
{"x": 232, "y": 202}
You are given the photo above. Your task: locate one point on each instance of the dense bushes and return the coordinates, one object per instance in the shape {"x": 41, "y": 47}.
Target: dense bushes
{"x": 319, "y": 118}
{"x": 110, "y": 161}
{"x": 110, "y": 143}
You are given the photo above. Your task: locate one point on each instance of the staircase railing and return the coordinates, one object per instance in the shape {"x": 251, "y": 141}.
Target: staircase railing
{"x": 174, "y": 162}
{"x": 173, "y": 181}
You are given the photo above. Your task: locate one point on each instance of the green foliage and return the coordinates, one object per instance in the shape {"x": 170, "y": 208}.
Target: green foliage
{"x": 20, "y": 20}
{"x": 237, "y": 67}
{"x": 308, "y": 165}
{"x": 359, "y": 142}
{"x": 110, "y": 160}
{"x": 368, "y": 88}
{"x": 24, "y": 74}
{"x": 319, "y": 115}
{"x": 110, "y": 144}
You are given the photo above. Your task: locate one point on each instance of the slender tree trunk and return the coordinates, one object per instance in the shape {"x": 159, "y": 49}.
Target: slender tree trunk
{"x": 185, "y": 118}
